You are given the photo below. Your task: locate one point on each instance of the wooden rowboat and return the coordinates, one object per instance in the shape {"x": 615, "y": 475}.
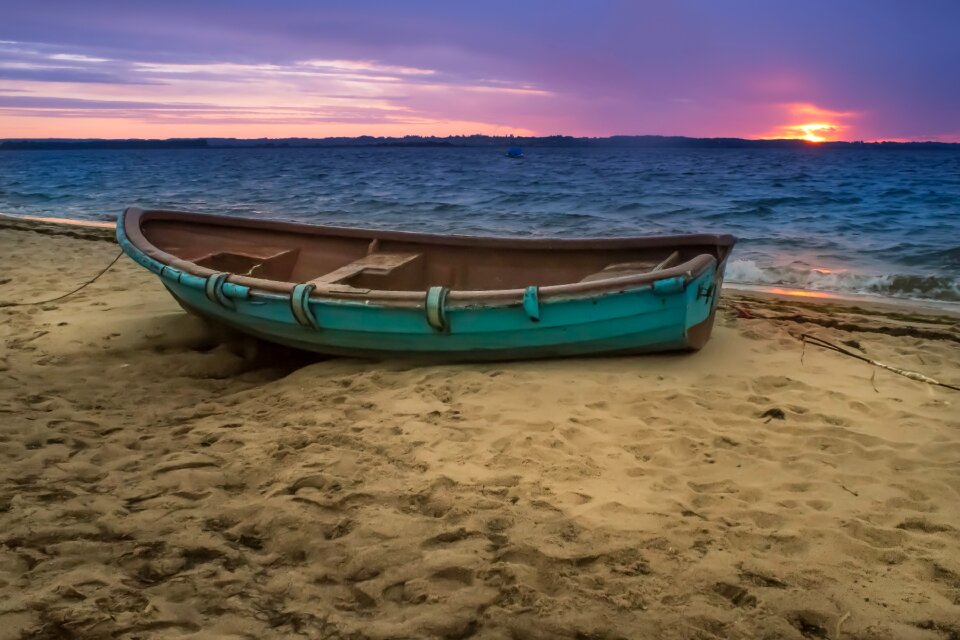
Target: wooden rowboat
{"x": 386, "y": 294}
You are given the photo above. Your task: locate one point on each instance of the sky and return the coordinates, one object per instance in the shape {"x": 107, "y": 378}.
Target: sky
{"x": 819, "y": 70}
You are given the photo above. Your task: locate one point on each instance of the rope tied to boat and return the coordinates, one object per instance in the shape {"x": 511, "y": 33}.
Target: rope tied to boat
{"x": 213, "y": 289}
{"x": 435, "y": 306}
{"x": 300, "y": 306}
{"x": 66, "y": 295}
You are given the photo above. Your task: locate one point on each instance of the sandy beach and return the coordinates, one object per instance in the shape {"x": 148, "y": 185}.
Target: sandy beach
{"x": 154, "y": 483}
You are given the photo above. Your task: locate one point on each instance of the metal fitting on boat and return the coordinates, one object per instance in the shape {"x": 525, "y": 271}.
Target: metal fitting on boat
{"x": 669, "y": 285}
{"x": 531, "y": 302}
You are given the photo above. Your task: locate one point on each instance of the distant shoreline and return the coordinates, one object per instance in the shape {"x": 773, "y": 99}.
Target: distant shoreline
{"x": 622, "y": 142}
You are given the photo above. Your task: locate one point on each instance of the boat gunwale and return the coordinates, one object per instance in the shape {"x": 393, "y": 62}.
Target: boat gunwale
{"x": 132, "y": 219}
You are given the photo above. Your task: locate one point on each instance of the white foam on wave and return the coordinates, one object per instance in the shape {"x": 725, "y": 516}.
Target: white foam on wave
{"x": 745, "y": 272}
{"x": 917, "y": 287}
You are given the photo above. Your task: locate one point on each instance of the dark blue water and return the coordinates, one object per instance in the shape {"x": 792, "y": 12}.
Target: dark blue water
{"x": 868, "y": 221}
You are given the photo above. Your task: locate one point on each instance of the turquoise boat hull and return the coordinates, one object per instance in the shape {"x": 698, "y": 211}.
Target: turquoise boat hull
{"x": 671, "y": 314}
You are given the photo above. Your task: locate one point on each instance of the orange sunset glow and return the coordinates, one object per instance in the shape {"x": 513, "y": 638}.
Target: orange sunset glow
{"x": 827, "y": 125}
{"x": 803, "y": 293}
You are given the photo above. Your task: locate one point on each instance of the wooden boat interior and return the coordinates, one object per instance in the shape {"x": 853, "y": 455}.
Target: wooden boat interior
{"x": 409, "y": 262}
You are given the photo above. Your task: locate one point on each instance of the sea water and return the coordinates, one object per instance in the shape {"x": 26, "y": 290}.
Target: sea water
{"x": 875, "y": 221}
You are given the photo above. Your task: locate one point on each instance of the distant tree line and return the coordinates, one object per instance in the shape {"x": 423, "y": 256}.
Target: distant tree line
{"x": 641, "y": 142}
{"x": 19, "y": 145}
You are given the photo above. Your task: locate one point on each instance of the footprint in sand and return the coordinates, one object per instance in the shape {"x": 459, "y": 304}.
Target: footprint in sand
{"x": 875, "y": 536}
{"x": 457, "y": 574}
{"x": 736, "y": 595}
{"x": 925, "y": 526}
{"x": 450, "y": 537}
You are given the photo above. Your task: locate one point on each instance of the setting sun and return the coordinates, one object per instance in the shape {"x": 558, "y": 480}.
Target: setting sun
{"x": 812, "y": 132}
{"x": 814, "y": 124}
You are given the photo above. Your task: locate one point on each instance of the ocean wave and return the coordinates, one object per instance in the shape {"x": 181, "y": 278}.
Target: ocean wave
{"x": 946, "y": 258}
{"x": 444, "y": 207}
{"x": 773, "y": 202}
{"x": 909, "y": 286}
{"x": 20, "y": 197}
{"x": 889, "y": 193}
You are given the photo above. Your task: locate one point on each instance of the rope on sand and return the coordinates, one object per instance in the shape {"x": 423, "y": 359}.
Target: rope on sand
{"x": 806, "y": 338}
{"x": 836, "y": 633}
{"x": 88, "y": 282}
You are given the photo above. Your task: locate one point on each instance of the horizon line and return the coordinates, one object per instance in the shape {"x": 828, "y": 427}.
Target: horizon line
{"x": 811, "y": 143}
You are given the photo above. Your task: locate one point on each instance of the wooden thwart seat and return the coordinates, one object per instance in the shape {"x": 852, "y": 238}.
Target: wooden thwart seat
{"x": 621, "y": 269}
{"x": 376, "y": 264}
{"x": 263, "y": 262}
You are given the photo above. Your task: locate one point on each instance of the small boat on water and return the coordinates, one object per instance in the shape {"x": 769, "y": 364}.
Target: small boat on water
{"x": 366, "y": 293}
{"x": 514, "y": 152}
